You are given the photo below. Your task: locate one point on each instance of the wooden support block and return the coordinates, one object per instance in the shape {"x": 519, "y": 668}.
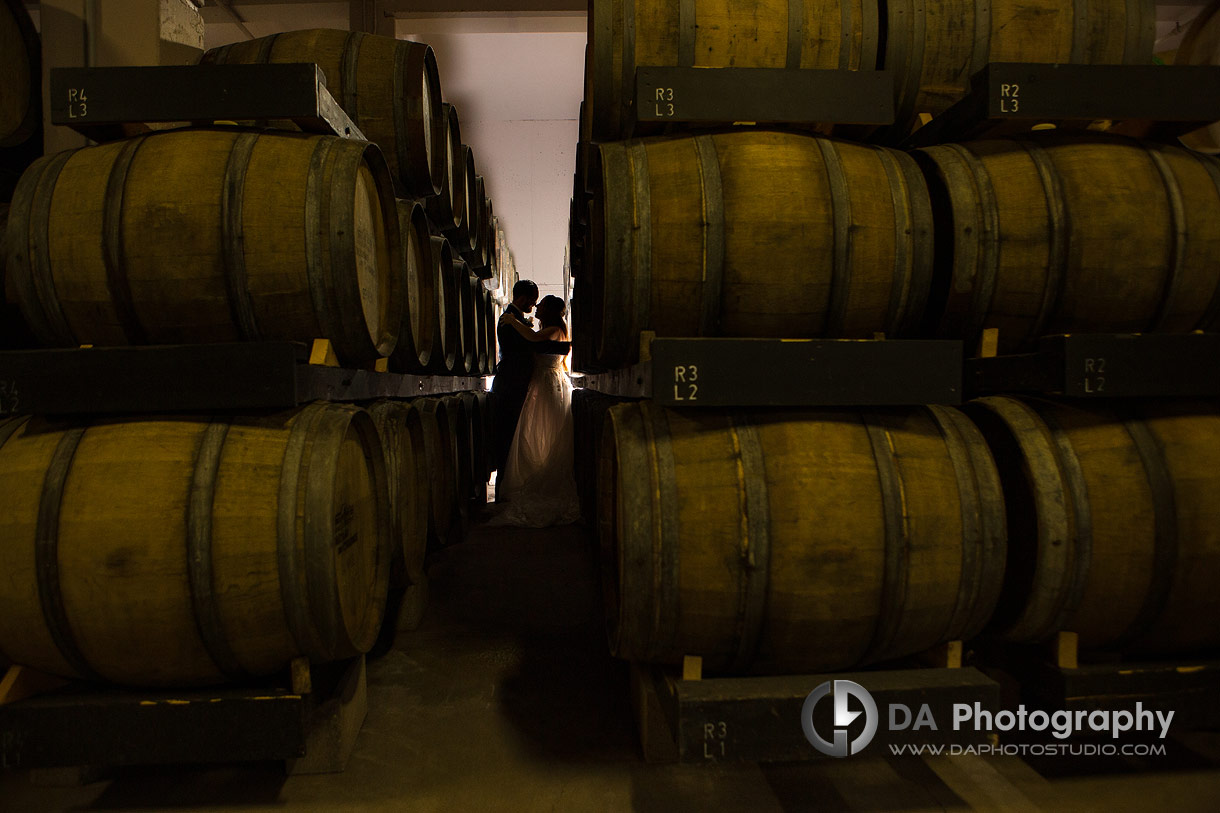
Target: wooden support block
{"x": 878, "y": 336}
{"x": 323, "y": 354}
{"x": 989, "y": 343}
{"x": 656, "y": 735}
{"x": 334, "y": 725}
{"x": 22, "y": 682}
{"x": 74, "y": 777}
{"x": 692, "y": 667}
{"x": 646, "y": 337}
{"x": 414, "y": 605}
{"x": 1065, "y": 647}
{"x": 302, "y": 683}
{"x": 946, "y": 656}
{"x": 381, "y": 366}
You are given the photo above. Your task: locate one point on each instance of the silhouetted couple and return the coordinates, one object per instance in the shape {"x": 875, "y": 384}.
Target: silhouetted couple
{"x": 533, "y": 399}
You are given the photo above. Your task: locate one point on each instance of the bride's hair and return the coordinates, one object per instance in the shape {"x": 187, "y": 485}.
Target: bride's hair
{"x": 551, "y": 311}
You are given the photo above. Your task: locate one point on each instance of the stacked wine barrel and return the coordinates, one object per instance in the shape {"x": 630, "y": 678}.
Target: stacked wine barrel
{"x": 741, "y": 536}
{"x": 1201, "y": 46}
{"x": 194, "y": 549}
{"x": 20, "y": 137}
{"x": 191, "y": 549}
{"x": 391, "y": 90}
{"x": 21, "y": 105}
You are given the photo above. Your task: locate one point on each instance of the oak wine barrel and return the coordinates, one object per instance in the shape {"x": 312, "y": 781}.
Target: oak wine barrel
{"x": 402, "y": 434}
{"x": 754, "y": 233}
{"x": 446, "y": 337}
{"x": 874, "y": 534}
{"x": 589, "y": 408}
{"x": 1201, "y": 46}
{"x": 490, "y": 224}
{"x": 210, "y": 235}
{"x": 487, "y": 432}
{"x": 626, "y": 34}
{"x": 934, "y": 49}
{"x": 489, "y": 427}
{"x": 441, "y": 455}
{"x": 418, "y": 332}
{"x": 479, "y": 472}
{"x": 580, "y": 183}
{"x": 473, "y": 204}
{"x": 1113, "y": 522}
{"x": 491, "y": 322}
{"x": 447, "y": 208}
{"x": 179, "y": 551}
{"x": 478, "y": 238}
{"x": 478, "y": 294}
{"x": 584, "y": 341}
{"x": 1052, "y": 234}
{"x": 14, "y": 334}
{"x": 20, "y": 75}
{"x": 480, "y": 255}
{"x": 463, "y": 445}
{"x": 390, "y": 88}
{"x": 468, "y": 349}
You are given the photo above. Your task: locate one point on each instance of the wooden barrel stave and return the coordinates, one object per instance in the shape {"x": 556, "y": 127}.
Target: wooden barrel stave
{"x": 679, "y": 225}
{"x": 150, "y": 587}
{"x": 896, "y": 567}
{"x": 103, "y": 251}
{"x": 1112, "y": 522}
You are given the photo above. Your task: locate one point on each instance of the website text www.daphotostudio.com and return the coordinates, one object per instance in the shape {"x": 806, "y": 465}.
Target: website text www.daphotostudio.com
{"x": 919, "y": 730}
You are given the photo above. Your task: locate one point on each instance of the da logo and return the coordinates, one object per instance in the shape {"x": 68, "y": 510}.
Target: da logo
{"x": 840, "y": 690}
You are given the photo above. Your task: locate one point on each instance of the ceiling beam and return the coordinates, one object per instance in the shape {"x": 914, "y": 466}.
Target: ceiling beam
{"x": 234, "y": 17}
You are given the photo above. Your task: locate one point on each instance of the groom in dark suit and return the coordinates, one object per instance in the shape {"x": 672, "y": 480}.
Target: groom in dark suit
{"x": 516, "y": 367}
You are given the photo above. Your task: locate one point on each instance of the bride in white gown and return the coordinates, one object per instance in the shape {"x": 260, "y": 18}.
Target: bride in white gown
{"x": 537, "y": 481}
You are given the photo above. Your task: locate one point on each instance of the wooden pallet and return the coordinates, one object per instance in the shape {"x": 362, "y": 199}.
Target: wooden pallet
{"x": 1054, "y": 676}
{"x": 309, "y": 720}
{"x": 683, "y": 717}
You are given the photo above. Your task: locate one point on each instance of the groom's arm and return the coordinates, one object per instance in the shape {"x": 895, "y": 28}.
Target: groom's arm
{"x": 509, "y": 337}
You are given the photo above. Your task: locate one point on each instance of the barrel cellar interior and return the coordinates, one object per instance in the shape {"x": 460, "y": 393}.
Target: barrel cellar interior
{"x": 609, "y": 405}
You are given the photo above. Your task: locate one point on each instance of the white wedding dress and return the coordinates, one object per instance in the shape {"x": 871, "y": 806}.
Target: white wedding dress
{"x": 537, "y": 481}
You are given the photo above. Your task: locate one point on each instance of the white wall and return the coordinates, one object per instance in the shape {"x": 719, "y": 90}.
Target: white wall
{"x": 517, "y": 83}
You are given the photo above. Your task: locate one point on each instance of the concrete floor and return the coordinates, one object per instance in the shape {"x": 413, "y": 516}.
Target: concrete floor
{"x": 505, "y": 699}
